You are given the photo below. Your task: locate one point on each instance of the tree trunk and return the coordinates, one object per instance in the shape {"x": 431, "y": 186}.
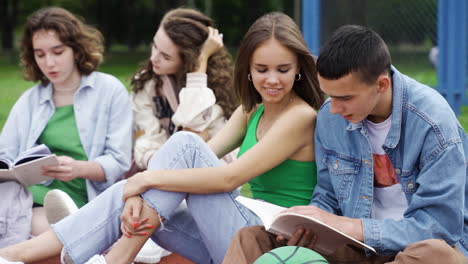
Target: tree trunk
{"x": 297, "y": 12}
{"x": 8, "y": 14}
{"x": 209, "y": 7}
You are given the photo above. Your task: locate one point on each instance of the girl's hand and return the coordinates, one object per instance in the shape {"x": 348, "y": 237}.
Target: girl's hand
{"x": 65, "y": 171}
{"x": 131, "y": 222}
{"x": 213, "y": 43}
{"x": 135, "y": 185}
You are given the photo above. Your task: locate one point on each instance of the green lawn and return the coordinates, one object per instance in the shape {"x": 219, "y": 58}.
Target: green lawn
{"x": 12, "y": 85}
{"x": 124, "y": 64}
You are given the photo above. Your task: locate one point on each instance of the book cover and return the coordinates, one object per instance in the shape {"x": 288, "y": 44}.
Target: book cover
{"x": 328, "y": 238}
{"x": 27, "y": 167}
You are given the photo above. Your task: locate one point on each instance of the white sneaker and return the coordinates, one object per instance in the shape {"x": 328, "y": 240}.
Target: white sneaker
{"x": 151, "y": 253}
{"x": 4, "y": 261}
{"x": 96, "y": 259}
{"x": 65, "y": 258}
{"x": 58, "y": 205}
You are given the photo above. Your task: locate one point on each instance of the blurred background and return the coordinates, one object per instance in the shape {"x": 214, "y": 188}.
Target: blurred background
{"x": 408, "y": 27}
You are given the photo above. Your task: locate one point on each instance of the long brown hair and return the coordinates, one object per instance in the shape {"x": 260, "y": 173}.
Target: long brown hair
{"x": 86, "y": 41}
{"x": 282, "y": 28}
{"x": 188, "y": 29}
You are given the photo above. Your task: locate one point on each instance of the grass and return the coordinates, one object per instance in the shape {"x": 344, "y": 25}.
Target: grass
{"x": 124, "y": 64}
{"x": 12, "y": 85}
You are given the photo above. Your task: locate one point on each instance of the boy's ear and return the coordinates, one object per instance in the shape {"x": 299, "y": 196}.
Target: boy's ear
{"x": 384, "y": 82}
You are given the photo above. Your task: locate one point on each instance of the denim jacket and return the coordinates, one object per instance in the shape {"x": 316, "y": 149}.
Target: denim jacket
{"x": 103, "y": 118}
{"x": 426, "y": 146}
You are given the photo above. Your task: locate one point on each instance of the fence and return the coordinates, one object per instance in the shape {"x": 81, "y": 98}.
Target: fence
{"x": 412, "y": 29}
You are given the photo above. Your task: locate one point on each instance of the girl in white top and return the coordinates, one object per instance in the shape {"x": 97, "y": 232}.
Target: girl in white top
{"x": 186, "y": 52}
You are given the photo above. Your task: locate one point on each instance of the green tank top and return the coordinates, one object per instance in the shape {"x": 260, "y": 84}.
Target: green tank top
{"x": 290, "y": 183}
{"x": 62, "y": 138}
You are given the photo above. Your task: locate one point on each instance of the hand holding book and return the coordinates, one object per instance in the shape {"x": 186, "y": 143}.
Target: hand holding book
{"x": 302, "y": 238}
{"x": 280, "y": 222}
{"x": 64, "y": 171}
{"x": 349, "y": 226}
{"x": 27, "y": 167}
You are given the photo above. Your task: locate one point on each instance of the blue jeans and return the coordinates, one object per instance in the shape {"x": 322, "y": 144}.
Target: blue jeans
{"x": 200, "y": 229}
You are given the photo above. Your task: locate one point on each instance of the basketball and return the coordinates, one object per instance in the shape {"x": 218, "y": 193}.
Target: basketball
{"x": 291, "y": 255}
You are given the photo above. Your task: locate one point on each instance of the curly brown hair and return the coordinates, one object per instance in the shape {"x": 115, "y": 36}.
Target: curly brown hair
{"x": 188, "y": 29}
{"x": 85, "y": 41}
{"x": 282, "y": 28}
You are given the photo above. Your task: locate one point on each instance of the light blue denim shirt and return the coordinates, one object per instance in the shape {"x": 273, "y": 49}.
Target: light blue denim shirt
{"x": 103, "y": 118}
{"x": 426, "y": 146}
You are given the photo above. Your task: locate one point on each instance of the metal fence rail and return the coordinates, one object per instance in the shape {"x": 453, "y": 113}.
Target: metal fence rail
{"x": 415, "y": 31}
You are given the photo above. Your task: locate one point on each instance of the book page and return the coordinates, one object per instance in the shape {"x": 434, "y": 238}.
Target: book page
{"x": 32, "y": 153}
{"x": 264, "y": 210}
{"x": 328, "y": 238}
{"x": 5, "y": 164}
{"x": 30, "y": 173}
{"x": 5, "y": 173}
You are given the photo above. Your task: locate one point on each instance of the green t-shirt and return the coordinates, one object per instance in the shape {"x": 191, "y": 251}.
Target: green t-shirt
{"x": 62, "y": 138}
{"x": 290, "y": 183}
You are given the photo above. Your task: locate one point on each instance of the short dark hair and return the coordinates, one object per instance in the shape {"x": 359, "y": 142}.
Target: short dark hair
{"x": 353, "y": 48}
{"x": 86, "y": 41}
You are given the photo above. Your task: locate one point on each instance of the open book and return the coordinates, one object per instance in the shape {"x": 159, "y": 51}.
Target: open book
{"x": 27, "y": 168}
{"x": 328, "y": 238}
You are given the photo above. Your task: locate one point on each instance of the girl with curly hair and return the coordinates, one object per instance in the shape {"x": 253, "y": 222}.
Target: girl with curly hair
{"x": 81, "y": 115}
{"x": 186, "y": 52}
{"x": 276, "y": 81}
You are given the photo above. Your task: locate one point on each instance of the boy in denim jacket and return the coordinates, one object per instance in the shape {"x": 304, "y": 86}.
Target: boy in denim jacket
{"x": 391, "y": 159}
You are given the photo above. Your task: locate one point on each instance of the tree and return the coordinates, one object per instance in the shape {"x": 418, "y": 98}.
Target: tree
{"x": 8, "y": 17}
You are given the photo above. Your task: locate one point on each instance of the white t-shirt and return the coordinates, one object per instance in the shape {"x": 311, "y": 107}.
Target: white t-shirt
{"x": 389, "y": 199}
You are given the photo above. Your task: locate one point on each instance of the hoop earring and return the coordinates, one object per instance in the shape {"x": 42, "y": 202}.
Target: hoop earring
{"x": 298, "y": 77}
{"x": 249, "y": 77}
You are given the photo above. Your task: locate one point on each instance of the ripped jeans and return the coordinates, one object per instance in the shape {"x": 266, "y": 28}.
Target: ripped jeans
{"x": 200, "y": 229}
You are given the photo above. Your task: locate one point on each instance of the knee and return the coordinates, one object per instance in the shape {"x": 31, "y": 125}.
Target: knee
{"x": 117, "y": 188}
{"x": 184, "y": 137}
{"x": 176, "y": 143}
{"x": 251, "y": 233}
{"x": 432, "y": 249}
{"x": 147, "y": 210}
{"x": 433, "y": 245}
